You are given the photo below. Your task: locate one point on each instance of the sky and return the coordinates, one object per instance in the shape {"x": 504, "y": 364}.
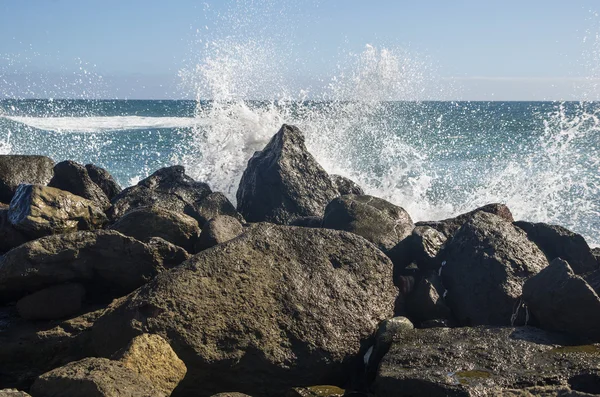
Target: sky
{"x": 445, "y": 50}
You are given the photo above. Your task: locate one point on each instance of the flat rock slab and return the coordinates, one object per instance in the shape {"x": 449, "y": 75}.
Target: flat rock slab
{"x": 476, "y": 361}
{"x": 289, "y": 304}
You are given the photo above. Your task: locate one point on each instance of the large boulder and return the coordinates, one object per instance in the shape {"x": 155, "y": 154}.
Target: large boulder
{"x": 94, "y": 377}
{"x": 291, "y": 305}
{"x": 213, "y": 205}
{"x": 39, "y": 211}
{"x": 219, "y": 230}
{"x": 73, "y": 177}
{"x": 169, "y": 188}
{"x": 558, "y": 242}
{"x": 479, "y": 361}
{"x": 52, "y": 303}
{"x": 10, "y": 237}
{"x": 451, "y": 225}
{"x": 147, "y": 222}
{"x": 108, "y": 263}
{"x": 486, "y": 263}
{"x": 284, "y": 181}
{"x": 345, "y": 185}
{"x": 18, "y": 169}
{"x": 104, "y": 180}
{"x": 562, "y": 301}
{"x": 31, "y": 348}
{"x": 152, "y": 357}
{"x": 382, "y": 223}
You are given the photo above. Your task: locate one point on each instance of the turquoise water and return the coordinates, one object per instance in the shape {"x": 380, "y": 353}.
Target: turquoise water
{"x": 433, "y": 158}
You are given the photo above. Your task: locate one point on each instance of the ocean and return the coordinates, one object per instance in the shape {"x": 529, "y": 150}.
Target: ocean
{"x": 435, "y": 159}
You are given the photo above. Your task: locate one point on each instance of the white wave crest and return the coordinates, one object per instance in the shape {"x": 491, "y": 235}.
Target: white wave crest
{"x": 103, "y": 124}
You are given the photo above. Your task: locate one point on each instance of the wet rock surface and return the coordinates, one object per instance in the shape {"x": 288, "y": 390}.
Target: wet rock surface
{"x": 39, "y": 211}
{"x": 382, "y": 223}
{"x": 10, "y": 237}
{"x": 104, "y": 180}
{"x": 213, "y": 205}
{"x": 479, "y": 361}
{"x": 284, "y": 181}
{"x": 346, "y": 185}
{"x": 486, "y": 263}
{"x": 422, "y": 248}
{"x": 21, "y": 169}
{"x": 290, "y": 304}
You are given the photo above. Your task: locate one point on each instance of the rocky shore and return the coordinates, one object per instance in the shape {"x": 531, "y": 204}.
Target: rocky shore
{"x": 308, "y": 287}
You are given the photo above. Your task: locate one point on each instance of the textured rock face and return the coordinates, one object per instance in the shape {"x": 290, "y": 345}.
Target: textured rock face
{"x": 480, "y": 361}
{"x": 152, "y": 357}
{"x": 10, "y": 237}
{"x": 382, "y": 223}
{"x": 487, "y": 262}
{"x": 169, "y": 188}
{"x": 213, "y": 205}
{"x": 147, "y": 222}
{"x": 17, "y": 169}
{"x": 562, "y": 301}
{"x": 219, "y": 230}
{"x": 108, "y": 263}
{"x": 422, "y": 248}
{"x": 345, "y": 185}
{"x": 450, "y": 226}
{"x": 558, "y": 242}
{"x": 74, "y": 178}
{"x": 307, "y": 221}
{"x": 287, "y": 304}
{"x": 104, "y": 180}
{"x": 284, "y": 181}
{"x": 39, "y": 211}
{"x": 170, "y": 254}
{"x": 426, "y": 302}
{"x": 13, "y": 393}
{"x": 30, "y": 349}
{"x": 52, "y": 303}
{"x": 94, "y": 377}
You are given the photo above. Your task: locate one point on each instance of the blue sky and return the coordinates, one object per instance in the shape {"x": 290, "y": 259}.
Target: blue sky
{"x": 475, "y": 50}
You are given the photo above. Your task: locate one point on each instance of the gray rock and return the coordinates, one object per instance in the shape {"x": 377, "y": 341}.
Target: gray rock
{"x": 39, "y": 211}
{"x": 213, "y": 205}
{"x": 562, "y": 301}
{"x": 288, "y": 304}
{"x": 284, "y": 181}
{"x": 18, "y": 169}
{"x": 596, "y": 253}
{"x": 74, "y": 178}
{"x": 169, "y": 188}
{"x": 451, "y": 225}
{"x": 10, "y": 237}
{"x": 146, "y": 222}
{"x": 487, "y": 262}
{"x": 421, "y": 248}
{"x": 31, "y": 348}
{"x": 94, "y": 377}
{"x": 52, "y": 303}
{"x": 219, "y": 230}
{"x": 307, "y": 221}
{"x": 478, "y": 361}
{"x": 387, "y": 332}
{"x": 426, "y": 303}
{"x": 382, "y": 223}
{"x": 170, "y": 254}
{"x": 104, "y": 180}
{"x": 346, "y": 185}
{"x": 108, "y": 263}
{"x": 558, "y": 242}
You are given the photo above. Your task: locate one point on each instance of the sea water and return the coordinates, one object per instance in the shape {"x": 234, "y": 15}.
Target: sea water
{"x": 435, "y": 159}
